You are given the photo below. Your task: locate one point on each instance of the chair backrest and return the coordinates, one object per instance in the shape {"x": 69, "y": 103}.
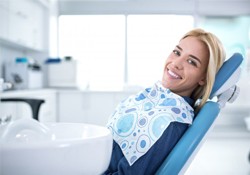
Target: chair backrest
{"x": 225, "y": 90}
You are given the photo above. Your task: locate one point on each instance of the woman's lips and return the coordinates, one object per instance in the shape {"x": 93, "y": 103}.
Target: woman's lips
{"x": 174, "y": 75}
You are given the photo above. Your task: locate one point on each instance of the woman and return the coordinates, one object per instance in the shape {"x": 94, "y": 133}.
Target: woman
{"x": 147, "y": 126}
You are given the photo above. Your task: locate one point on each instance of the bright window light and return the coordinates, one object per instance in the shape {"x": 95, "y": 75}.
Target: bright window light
{"x": 151, "y": 38}
{"x": 117, "y": 50}
{"x": 97, "y": 43}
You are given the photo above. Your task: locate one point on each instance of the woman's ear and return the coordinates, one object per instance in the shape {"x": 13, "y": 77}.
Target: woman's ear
{"x": 202, "y": 82}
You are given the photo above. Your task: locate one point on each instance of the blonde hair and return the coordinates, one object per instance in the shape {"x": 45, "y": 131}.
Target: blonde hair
{"x": 216, "y": 59}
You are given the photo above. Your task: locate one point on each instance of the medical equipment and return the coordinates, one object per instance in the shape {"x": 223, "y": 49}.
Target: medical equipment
{"x": 24, "y": 73}
{"x": 224, "y": 90}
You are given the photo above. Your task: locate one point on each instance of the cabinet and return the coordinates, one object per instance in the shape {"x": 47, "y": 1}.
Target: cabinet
{"x": 65, "y": 105}
{"x": 23, "y": 23}
{"x": 87, "y": 106}
{"x": 72, "y": 106}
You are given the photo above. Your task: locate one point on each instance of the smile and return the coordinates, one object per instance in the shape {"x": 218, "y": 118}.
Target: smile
{"x": 174, "y": 75}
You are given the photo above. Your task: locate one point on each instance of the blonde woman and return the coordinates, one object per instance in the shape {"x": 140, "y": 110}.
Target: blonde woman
{"x": 146, "y": 126}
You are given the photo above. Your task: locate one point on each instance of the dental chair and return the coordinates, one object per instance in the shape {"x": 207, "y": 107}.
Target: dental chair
{"x": 224, "y": 90}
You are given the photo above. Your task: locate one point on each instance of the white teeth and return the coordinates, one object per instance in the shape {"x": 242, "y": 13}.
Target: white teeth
{"x": 173, "y": 74}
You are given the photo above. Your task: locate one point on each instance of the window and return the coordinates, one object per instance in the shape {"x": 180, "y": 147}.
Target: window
{"x": 117, "y": 50}
{"x": 97, "y": 43}
{"x": 151, "y": 38}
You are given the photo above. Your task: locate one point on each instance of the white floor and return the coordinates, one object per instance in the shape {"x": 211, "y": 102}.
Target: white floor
{"x": 224, "y": 153}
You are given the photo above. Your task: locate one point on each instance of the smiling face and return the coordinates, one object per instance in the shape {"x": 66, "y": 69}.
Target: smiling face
{"x": 186, "y": 66}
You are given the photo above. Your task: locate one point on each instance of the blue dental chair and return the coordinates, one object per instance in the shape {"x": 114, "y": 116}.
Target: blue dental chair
{"x": 224, "y": 90}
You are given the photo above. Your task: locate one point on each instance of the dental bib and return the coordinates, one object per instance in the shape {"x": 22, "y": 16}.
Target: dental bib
{"x": 140, "y": 120}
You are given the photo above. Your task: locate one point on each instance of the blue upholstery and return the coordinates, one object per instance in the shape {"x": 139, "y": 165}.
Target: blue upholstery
{"x": 226, "y": 71}
{"x": 180, "y": 157}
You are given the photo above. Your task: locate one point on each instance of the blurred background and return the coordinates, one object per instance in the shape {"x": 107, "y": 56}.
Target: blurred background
{"x": 84, "y": 56}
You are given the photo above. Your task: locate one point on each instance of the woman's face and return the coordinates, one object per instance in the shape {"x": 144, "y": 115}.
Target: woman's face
{"x": 186, "y": 66}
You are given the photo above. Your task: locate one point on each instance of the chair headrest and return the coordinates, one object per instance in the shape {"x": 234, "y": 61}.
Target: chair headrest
{"x": 228, "y": 75}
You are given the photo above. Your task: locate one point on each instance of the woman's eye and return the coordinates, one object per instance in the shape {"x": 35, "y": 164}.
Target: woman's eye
{"x": 190, "y": 61}
{"x": 176, "y": 52}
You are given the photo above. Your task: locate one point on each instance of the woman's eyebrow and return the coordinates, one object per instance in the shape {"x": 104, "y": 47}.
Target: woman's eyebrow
{"x": 194, "y": 57}
{"x": 179, "y": 47}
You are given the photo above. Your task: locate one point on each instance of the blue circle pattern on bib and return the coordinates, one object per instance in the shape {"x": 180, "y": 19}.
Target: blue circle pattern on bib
{"x": 140, "y": 120}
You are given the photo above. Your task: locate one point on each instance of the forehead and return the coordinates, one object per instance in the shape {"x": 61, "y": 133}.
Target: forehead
{"x": 193, "y": 46}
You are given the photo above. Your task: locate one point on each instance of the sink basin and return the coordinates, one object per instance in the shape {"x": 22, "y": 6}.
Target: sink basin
{"x": 28, "y": 147}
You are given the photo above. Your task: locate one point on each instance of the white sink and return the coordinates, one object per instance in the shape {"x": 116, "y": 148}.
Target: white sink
{"x": 28, "y": 147}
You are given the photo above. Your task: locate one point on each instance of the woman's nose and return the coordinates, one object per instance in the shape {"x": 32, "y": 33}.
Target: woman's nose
{"x": 178, "y": 63}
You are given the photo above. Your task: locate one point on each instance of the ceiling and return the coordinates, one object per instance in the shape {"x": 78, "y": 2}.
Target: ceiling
{"x": 193, "y": 7}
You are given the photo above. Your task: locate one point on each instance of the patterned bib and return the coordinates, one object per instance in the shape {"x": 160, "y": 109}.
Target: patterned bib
{"x": 140, "y": 120}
